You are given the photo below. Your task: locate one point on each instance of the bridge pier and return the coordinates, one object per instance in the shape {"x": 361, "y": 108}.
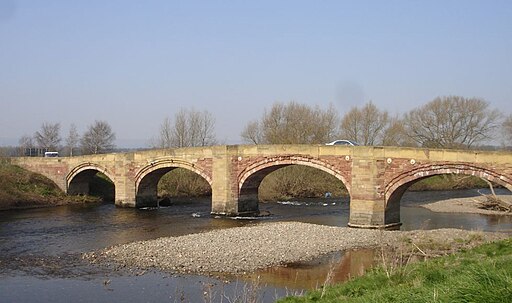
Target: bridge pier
{"x": 224, "y": 192}
{"x": 367, "y": 199}
{"x": 225, "y": 198}
{"x": 125, "y": 189}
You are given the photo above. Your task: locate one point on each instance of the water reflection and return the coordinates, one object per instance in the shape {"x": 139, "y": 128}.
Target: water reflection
{"x": 330, "y": 268}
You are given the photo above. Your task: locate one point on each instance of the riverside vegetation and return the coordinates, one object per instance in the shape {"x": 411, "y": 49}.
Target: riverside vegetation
{"x": 20, "y": 188}
{"x": 480, "y": 275}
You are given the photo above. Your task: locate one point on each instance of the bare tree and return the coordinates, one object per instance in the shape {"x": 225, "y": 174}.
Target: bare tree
{"x": 366, "y": 125}
{"x": 189, "y": 128}
{"x": 49, "y": 136}
{"x": 72, "y": 139}
{"x": 98, "y": 139}
{"x": 327, "y": 127}
{"x": 507, "y": 130}
{"x": 164, "y": 139}
{"x": 252, "y": 133}
{"x": 200, "y": 128}
{"x": 452, "y": 122}
{"x": 180, "y": 129}
{"x": 394, "y": 133}
{"x": 292, "y": 123}
{"x": 207, "y": 129}
{"x": 25, "y": 142}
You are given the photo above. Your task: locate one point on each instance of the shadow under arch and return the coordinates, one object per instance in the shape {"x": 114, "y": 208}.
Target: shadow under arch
{"x": 80, "y": 178}
{"x": 147, "y": 178}
{"x": 399, "y": 185}
{"x": 249, "y": 180}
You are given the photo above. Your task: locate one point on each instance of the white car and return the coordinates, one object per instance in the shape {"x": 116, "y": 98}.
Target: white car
{"x": 342, "y": 142}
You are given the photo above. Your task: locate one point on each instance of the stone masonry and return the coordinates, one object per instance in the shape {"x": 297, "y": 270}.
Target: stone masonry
{"x": 375, "y": 177}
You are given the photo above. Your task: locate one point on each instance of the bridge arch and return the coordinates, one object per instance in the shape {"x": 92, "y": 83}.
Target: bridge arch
{"x": 251, "y": 177}
{"x": 399, "y": 185}
{"x": 78, "y": 180}
{"x": 146, "y": 179}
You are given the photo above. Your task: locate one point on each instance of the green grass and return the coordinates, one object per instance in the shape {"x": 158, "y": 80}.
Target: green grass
{"x": 20, "y": 188}
{"x": 482, "y": 274}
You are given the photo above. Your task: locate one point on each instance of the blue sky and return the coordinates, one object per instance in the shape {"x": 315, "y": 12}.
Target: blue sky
{"x": 132, "y": 63}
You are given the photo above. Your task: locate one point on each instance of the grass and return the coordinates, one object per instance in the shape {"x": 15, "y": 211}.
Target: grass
{"x": 481, "y": 274}
{"x": 20, "y": 188}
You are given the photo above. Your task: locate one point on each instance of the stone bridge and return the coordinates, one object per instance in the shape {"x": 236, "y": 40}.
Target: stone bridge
{"x": 375, "y": 177}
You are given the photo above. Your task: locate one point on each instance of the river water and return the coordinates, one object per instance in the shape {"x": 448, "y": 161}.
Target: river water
{"x": 40, "y": 250}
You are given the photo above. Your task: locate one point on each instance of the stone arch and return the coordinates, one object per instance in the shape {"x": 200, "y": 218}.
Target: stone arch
{"x": 398, "y": 185}
{"x": 146, "y": 179}
{"x": 251, "y": 177}
{"x": 79, "y": 178}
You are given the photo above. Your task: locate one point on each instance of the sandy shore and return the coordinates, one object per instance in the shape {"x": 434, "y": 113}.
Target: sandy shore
{"x": 246, "y": 249}
{"x": 465, "y": 205}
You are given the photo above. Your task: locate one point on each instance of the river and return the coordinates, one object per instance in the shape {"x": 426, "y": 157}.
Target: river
{"x": 40, "y": 250}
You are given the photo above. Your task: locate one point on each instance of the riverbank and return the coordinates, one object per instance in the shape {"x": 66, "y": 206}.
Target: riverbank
{"x": 479, "y": 275}
{"x": 466, "y": 205}
{"x": 246, "y": 249}
{"x": 22, "y": 189}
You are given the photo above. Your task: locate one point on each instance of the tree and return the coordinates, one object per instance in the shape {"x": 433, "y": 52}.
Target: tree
{"x": 252, "y": 133}
{"x": 394, "y": 133}
{"x": 203, "y": 127}
{"x": 98, "y": 139}
{"x": 164, "y": 139}
{"x": 72, "y": 139}
{"x": 366, "y": 125}
{"x": 292, "y": 123}
{"x": 507, "y": 130}
{"x": 451, "y": 122}
{"x": 49, "y": 136}
{"x": 189, "y": 128}
{"x": 25, "y": 144}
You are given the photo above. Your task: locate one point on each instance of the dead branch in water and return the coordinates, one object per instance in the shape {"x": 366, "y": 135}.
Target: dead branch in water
{"x": 492, "y": 202}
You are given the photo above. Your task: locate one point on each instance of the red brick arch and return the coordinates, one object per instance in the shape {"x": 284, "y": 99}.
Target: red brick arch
{"x": 79, "y": 178}
{"x": 170, "y": 163}
{"x": 251, "y": 175}
{"x": 147, "y": 178}
{"x": 88, "y": 166}
{"x": 428, "y": 170}
{"x": 397, "y": 186}
{"x": 286, "y": 160}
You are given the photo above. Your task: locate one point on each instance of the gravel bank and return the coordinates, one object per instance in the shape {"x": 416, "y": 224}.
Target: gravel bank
{"x": 246, "y": 249}
{"x": 465, "y": 205}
